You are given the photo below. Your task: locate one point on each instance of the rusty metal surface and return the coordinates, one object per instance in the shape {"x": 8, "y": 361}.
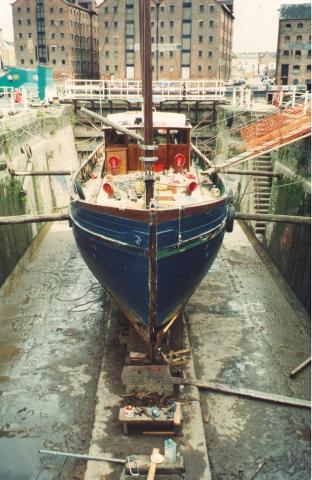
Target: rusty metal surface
{"x": 279, "y": 128}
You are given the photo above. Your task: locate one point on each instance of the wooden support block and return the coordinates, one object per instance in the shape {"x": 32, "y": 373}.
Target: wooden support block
{"x": 153, "y": 466}
{"x": 177, "y": 415}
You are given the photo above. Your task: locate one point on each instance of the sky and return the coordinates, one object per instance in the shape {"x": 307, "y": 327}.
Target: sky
{"x": 255, "y": 25}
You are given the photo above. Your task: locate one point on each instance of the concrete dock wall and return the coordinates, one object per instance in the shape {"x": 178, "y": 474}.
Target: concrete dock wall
{"x": 36, "y": 140}
{"x": 289, "y": 246}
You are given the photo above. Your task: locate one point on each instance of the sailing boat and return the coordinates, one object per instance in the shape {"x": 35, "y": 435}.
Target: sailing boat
{"x": 148, "y": 221}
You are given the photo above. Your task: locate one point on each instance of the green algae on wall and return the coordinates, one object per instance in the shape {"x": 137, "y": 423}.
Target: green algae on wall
{"x": 14, "y": 239}
{"x": 290, "y": 245}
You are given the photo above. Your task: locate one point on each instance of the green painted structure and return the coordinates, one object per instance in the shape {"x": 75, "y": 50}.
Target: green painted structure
{"x": 40, "y": 78}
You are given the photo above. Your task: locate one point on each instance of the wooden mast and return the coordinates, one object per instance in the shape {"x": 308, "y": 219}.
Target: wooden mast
{"x": 149, "y": 159}
{"x": 146, "y": 59}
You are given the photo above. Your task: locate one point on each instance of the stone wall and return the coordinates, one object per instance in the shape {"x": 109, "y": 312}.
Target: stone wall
{"x": 35, "y": 140}
{"x": 288, "y": 245}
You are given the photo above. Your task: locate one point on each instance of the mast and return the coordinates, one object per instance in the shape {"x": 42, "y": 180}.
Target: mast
{"x": 146, "y": 57}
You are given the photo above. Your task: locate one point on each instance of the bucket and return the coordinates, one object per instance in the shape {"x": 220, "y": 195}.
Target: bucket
{"x": 170, "y": 450}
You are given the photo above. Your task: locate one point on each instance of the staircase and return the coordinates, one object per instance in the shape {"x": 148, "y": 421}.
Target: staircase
{"x": 262, "y": 188}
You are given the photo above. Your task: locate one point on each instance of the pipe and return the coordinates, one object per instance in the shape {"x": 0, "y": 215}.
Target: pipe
{"x": 19, "y": 219}
{"x": 273, "y": 218}
{"x": 112, "y": 124}
{"x": 84, "y": 457}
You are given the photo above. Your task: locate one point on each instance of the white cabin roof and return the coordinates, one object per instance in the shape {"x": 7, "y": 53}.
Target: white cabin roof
{"x": 160, "y": 119}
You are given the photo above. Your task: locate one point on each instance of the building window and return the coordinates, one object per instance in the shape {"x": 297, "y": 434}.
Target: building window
{"x": 170, "y": 54}
{"x": 115, "y": 9}
{"x": 300, "y": 25}
{"x": 199, "y": 68}
{"x": 28, "y": 9}
{"x": 52, "y": 22}
{"x": 200, "y": 23}
{"x": 309, "y": 68}
{"x": 61, "y": 10}
{"x": 210, "y": 54}
{"x": 53, "y": 48}
{"x": 20, "y": 35}
{"x": 31, "y": 61}
{"x": 211, "y": 24}
{"x": 116, "y": 68}
{"x": 61, "y": 22}
{"x": 298, "y": 53}
{"x": 162, "y": 24}
{"x": 211, "y": 9}
{"x": 29, "y": 35}
{"x": 162, "y": 39}
{"x": 106, "y": 10}
{"x": 19, "y": 10}
{"x": 21, "y": 48}
{"x": 51, "y": 10}
{"x": 54, "y": 62}
{"x": 106, "y": 39}
{"x": 171, "y": 8}
{"x": 161, "y": 54}
{"x": 62, "y": 35}
{"x": 209, "y": 68}
{"x": 162, "y": 9}
{"x": 287, "y": 38}
{"x": 296, "y": 82}
{"x": 107, "y": 54}
{"x": 299, "y": 38}
{"x": 200, "y": 39}
{"x": 19, "y": 21}
{"x": 161, "y": 68}
{"x": 115, "y": 40}
{"x": 171, "y": 39}
{"x": 115, "y": 24}
{"x": 309, "y": 53}
{"x": 171, "y": 24}
{"x": 28, "y": 21}
{"x": 201, "y": 8}
{"x": 22, "y": 61}
{"x": 288, "y": 25}
{"x": 200, "y": 53}
{"x": 107, "y": 68}
{"x": 210, "y": 38}
{"x": 296, "y": 68}
{"x": 286, "y": 53}
{"x": 63, "y": 48}
{"x": 115, "y": 54}
{"x": 53, "y": 35}
{"x": 63, "y": 62}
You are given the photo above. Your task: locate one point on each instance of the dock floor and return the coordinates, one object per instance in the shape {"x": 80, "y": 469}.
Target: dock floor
{"x": 58, "y": 337}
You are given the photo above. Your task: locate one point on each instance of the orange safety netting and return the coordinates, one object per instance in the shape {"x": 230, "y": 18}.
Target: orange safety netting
{"x": 278, "y": 129}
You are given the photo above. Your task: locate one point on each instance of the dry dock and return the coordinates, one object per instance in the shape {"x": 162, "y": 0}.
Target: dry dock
{"x": 59, "y": 348}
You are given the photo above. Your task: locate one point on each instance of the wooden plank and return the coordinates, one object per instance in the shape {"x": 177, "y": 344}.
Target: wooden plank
{"x": 273, "y": 218}
{"x": 177, "y": 415}
{"x": 18, "y": 219}
{"x": 164, "y": 433}
{"x": 300, "y": 367}
{"x": 253, "y": 394}
{"x": 40, "y": 173}
{"x": 152, "y": 469}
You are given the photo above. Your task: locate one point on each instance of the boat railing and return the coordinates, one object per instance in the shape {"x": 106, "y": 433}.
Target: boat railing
{"x": 86, "y": 169}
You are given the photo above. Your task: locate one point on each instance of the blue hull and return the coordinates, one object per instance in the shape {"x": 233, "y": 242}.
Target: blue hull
{"x": 138, "y": 273}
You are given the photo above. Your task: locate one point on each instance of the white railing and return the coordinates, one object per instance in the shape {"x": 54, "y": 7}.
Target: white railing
{"x": 282, "y": 95}
{"x": 131, "y": 90}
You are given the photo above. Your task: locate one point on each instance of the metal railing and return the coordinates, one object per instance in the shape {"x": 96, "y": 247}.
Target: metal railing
{"x": 131, "y": 90}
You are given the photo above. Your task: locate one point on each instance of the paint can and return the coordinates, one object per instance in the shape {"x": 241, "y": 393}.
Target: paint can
{"x": 170, "y": 450}
{"x": 129, "y": 411}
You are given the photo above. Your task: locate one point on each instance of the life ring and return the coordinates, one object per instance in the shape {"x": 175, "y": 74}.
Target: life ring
{"x": 229, "y": 223}
{"x": 78, "y": 189}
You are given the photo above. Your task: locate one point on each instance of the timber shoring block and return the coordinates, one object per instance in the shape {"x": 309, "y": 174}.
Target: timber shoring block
{"x": 143, "y": 463}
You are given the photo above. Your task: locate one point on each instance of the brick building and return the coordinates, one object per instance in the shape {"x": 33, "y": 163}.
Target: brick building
{"x": 293, "y": 63}
{"x": 62, "y": 34}
{"x": 190, "y": 39}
